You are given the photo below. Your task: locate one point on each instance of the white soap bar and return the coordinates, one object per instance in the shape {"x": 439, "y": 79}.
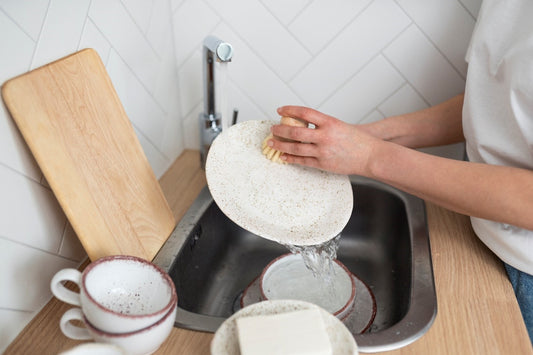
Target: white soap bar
{"x": 291, "y": 333}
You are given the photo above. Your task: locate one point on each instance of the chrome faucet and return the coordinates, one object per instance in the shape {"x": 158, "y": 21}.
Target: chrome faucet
{"x": 214, "y": 49}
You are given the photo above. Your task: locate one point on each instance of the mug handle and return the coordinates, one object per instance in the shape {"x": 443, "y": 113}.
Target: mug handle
{"x": 63, "y": 293}
{"x": 69, "y": 329}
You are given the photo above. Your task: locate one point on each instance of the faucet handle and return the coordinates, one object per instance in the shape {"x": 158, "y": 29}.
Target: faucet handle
{"x": 224, "y": 52}
{"x": 235, "y": 114}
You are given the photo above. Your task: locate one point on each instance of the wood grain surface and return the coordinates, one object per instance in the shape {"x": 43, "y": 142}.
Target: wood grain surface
{"x": 74, "y": 124}
{"x": 478, "y": 312}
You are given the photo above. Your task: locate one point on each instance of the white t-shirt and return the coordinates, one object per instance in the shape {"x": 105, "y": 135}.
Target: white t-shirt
{"x": 498, "y": 111}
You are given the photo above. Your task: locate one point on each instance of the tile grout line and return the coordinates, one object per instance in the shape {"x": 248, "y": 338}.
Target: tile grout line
{"x": 267, "y": 9}
{"x": 256, "y": 105}
{"x": 474, "y": 17}
{"x": 140, "y": 30}
{"x": 19, "y": 27}
{"x": 63, "y": 236}
{"x": 406, "y": 80}
{"x": 40, "y": 35}
{"x": 16, "y": 310}
{"x": 87, "y": 19}
{"x": 433, "y": 44}
{"x": 254, "y": 52}
{"x": 325, "y": 46}
{"x": 38, "y": 182}
{"x": 223, "y": 21}
{"x": 380, "y": 52}
{"x": 38, "y": 249}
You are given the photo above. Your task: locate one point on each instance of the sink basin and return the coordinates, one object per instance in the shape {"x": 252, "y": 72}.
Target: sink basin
{"x": 385, "y": 243}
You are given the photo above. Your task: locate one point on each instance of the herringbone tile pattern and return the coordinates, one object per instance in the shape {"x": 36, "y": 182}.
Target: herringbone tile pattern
{"x": 359, "y": 60}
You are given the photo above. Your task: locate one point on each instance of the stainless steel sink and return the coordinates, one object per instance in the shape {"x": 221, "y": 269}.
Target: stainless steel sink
{"x": 385, "y": 243}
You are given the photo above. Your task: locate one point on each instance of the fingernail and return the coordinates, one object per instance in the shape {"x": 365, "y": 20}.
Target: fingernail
{"x": 270, "y": 143}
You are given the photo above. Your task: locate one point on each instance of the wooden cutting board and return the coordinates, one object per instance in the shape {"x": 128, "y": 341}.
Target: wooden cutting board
{"x": 74, "y": 124}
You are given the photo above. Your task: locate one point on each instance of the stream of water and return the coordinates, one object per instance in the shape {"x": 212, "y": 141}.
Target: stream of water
{"x": 319, "y": 259}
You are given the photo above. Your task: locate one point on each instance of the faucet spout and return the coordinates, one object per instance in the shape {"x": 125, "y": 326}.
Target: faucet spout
{"x": 214, "y": 49}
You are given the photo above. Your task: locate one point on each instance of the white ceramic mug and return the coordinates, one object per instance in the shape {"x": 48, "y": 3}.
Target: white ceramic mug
{"x": 287, "y": 277}
{"x": 140, "y": 342}
{"x": 119, "y": 293}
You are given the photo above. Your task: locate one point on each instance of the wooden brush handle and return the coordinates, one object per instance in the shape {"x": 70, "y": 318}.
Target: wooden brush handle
{"x": 291, "y": 121}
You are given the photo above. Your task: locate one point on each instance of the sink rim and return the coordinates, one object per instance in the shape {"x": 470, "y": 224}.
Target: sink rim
{"x": 422, "y": 308}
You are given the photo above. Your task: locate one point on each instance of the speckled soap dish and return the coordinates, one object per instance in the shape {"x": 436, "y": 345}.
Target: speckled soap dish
{"x": 225, "y": 341}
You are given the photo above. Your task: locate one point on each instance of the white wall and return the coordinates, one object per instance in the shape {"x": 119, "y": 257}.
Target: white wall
{"x": 359, "y": 60}
{"x": 134, "y": 40}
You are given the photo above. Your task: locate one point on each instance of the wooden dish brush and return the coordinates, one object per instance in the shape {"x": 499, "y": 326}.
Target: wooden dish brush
{"x": 273, "y": 154}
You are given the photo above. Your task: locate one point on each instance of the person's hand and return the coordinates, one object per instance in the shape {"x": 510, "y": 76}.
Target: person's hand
{"x": 333, "y": 145}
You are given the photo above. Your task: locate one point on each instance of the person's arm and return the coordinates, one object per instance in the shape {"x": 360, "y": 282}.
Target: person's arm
{"x": 497, "y": 193}
{"x": 437, "y": 125}
{"x": 492, "y": 192}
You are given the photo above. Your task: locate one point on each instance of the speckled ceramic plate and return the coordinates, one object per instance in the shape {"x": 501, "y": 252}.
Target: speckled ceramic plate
{"x": 357, "y": 321}
{"x": 225, "y": 341}
{"x": 289, "y": 204}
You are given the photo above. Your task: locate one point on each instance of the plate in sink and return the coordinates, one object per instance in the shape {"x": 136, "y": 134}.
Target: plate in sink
{"x": 289, "y": 204}
{"x": 225, "y": 341}
{"x": 357, "y": 321}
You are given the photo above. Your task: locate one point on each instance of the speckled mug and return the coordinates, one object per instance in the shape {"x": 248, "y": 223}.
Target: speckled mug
{"x": 118, "y": 294}
{"x": 141, "y": 342}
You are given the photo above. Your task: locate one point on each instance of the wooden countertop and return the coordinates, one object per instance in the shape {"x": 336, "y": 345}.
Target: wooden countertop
{"x": 477, "y": 309}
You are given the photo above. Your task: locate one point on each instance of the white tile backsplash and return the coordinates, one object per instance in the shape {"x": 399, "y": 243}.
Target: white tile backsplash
{"x": 14, "y": 152}
{"x": 25, "y": 277}
{"x": 264, "y": 34}
{"x": 190, "y": 79}
{"x": 166, "y": 91}
{"x": 361, "y": 60}
{"x": 29, "y": 15}
{"x": 11, "y": 323}
{"x": 61, "y": 30}
{"x": 158, "y": 161}
{"x": 358, "y": 97}
{"x": 472, "y": 6}
{"x": 190, "y": 28}
{"x": 71, "y": 247}
{"x": 18, "y": 44}
{"x": 248, "y": 110}
{"x": 143, "y": 111}
{"x": 135, "y": 39}
{"x": 429, "y": 73}
{"x": 321, "y": 21}
{"x": 127, "y": 38}
{"x": 159, "y": 32}
{"x": 372, "y": 117}
{"x": 405, "y": 100}
{"x": 140, "y": 11}
{"x": 257, "y": 79}
{"x": 93, "y": 38}
{"x": 174, "y": 4}
{"x": 286, "y": 11}
{"x": 191, "y": 126}
{"x": 35, "y": 217}
{"x": 358, "y": 43}
{"x": 445, "y": 23}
